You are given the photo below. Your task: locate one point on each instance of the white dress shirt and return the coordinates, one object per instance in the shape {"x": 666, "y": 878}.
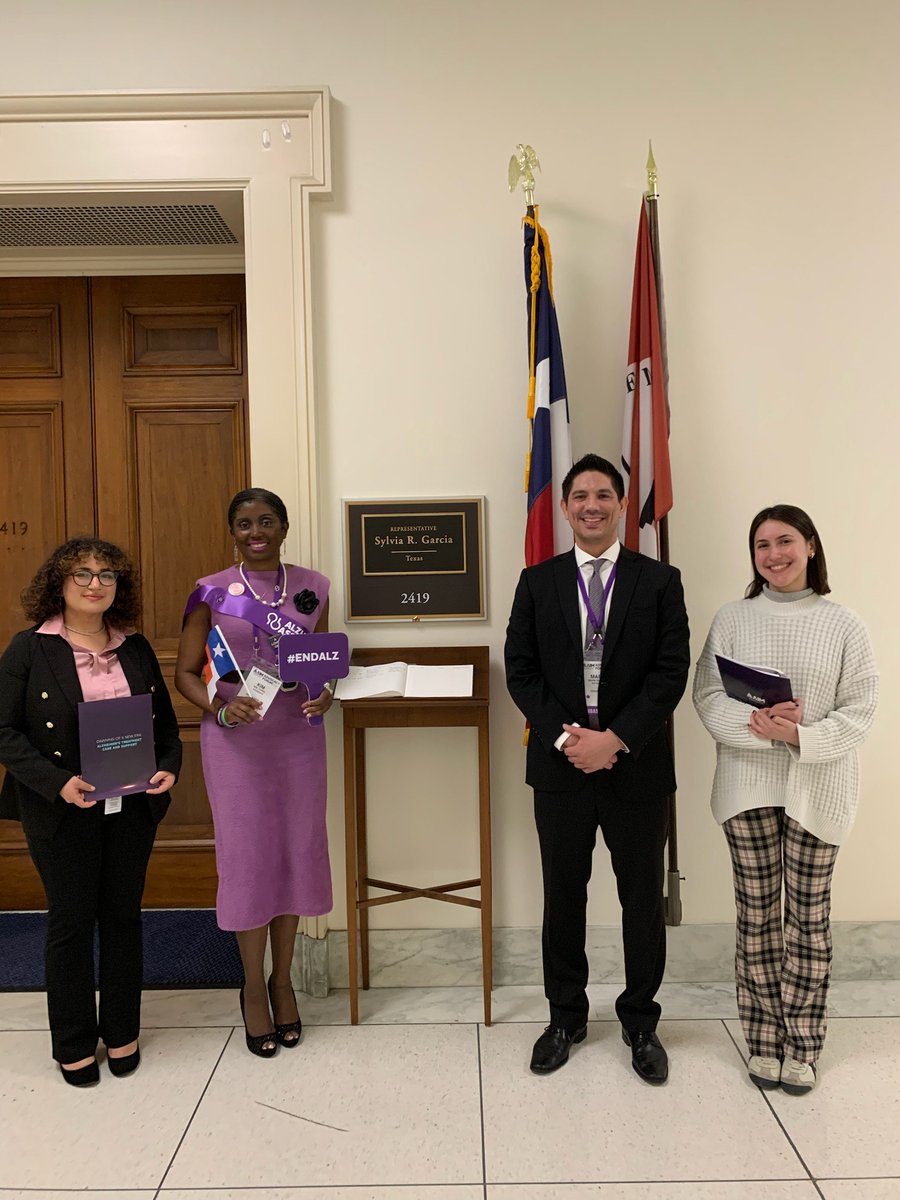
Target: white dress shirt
{"x": 583, "y": 561}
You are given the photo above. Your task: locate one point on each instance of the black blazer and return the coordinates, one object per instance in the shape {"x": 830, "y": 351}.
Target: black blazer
{"x": 39, "y": 697}
{"x": 645, "y": 665}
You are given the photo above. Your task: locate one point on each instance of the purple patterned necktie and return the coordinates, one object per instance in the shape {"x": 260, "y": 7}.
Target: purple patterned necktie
{"x": 595, "y": 595}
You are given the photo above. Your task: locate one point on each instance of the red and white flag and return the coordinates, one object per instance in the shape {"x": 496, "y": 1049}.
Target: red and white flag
{"x": 645, "y": 441}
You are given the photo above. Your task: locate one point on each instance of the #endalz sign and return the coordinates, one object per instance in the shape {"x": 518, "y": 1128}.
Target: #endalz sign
{"x": 313, "y": 659}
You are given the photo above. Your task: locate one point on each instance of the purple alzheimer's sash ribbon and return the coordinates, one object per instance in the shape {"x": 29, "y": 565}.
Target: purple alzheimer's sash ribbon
{"x": 220, "y": 600}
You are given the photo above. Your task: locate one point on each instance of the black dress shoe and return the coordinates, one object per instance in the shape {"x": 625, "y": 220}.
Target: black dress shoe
{"x": 551, "y": 1050}
{"x": 81, "y": 1077}
{"x": 648, "y": 1057}
{"x": 125, "y": 1065}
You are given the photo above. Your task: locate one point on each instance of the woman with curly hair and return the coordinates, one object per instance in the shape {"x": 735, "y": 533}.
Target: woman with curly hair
{"x": 92, "y": 858}
{"x": 265, "y": 777}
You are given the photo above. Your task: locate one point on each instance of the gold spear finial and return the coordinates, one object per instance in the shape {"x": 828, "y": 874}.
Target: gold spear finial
{"x": 652, "y": 193}
{"x": 521, "y": 167}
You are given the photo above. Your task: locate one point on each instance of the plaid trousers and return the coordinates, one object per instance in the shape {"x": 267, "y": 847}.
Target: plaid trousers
{"x": 782, "y": 967}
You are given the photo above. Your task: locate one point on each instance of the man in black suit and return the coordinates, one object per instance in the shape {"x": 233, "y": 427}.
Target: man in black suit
{"x": 597, "y": 664}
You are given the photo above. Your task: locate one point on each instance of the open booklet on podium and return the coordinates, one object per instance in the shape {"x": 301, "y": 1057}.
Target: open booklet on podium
{"x": 405, "y": 681}
{"x": 760, "y": 686}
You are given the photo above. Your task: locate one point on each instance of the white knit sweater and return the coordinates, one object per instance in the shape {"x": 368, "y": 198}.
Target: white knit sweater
{"x": 825, "y": 650}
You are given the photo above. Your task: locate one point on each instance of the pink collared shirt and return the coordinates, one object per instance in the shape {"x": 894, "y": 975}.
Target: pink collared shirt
{"x": 99, "y": 672}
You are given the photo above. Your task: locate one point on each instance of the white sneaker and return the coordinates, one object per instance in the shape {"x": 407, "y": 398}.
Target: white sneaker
{"x": 797, "y": 1078}
{"x": 764, "y": 1072}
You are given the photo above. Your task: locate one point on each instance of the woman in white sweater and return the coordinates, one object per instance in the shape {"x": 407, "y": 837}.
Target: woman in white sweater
{"x": 786, "y": 785}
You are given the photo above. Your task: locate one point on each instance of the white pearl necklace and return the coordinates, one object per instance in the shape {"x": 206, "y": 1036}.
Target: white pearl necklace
{"x": 280, "y": 586}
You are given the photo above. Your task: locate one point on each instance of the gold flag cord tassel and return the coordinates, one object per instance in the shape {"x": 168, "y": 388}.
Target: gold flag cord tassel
{"x": 540, "y": 238}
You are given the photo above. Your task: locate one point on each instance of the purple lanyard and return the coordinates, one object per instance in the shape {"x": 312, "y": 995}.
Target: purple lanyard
{"x": 596, "y": 621}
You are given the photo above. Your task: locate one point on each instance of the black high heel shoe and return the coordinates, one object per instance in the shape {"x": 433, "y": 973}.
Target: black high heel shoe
{"x": 284, "y": 1032}
{"x": 81, "y": 1077}
{"x": 265, "y": 1044}
{"x": 125, "y": 1065}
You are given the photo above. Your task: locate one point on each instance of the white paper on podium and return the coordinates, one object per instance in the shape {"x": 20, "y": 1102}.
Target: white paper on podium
{"x": 425, "y": 681}
{"x": 412, "y": 681}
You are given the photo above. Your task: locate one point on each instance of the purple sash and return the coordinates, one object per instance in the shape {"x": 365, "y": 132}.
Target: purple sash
{"x": 220, "y": 600}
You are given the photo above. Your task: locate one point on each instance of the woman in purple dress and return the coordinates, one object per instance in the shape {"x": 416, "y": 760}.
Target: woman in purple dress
{"x": 265, "y": 775}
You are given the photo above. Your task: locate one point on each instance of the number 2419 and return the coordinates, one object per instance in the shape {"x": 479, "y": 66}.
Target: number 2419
{"x": 415, "y": 597}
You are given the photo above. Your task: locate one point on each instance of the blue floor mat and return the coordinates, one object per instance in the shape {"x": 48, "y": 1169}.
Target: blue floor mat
{"x": 183, "y": 948}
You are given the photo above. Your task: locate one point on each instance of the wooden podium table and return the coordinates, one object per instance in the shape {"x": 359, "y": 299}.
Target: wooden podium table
{"x": 360, "y": 715}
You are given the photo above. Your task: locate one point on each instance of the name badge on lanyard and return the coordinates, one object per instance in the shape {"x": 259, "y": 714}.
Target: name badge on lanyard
{"x": 593, "y": 654}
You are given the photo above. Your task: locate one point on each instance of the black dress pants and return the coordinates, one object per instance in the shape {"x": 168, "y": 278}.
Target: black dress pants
{"x": 93, "y": 871}
{"x": 635, "y": 835}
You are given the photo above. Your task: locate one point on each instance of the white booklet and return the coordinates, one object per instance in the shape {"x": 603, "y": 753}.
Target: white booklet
{"x": 405, "y": 680}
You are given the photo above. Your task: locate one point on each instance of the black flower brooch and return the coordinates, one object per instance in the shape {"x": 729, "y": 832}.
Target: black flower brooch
{"x": 306, "y": 601}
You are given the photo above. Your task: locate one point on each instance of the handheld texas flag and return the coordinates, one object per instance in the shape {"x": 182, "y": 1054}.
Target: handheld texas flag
{"x": 645, "y": 442}
{"x": 219, "y": 661}
{"x": 546, "y": 532}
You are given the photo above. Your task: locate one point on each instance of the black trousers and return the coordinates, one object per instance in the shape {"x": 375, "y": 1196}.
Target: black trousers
{"x": 635, "y": 835}
{"x": 93, "y": 871}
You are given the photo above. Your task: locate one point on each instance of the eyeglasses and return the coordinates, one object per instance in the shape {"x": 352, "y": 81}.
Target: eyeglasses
{"x": 84, "y": 578}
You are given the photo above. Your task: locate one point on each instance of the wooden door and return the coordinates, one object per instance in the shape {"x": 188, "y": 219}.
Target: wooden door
{"x": 170, "y": 448}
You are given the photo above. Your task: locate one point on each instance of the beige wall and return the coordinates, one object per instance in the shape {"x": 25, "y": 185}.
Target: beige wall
{"x": 773, "y": 126}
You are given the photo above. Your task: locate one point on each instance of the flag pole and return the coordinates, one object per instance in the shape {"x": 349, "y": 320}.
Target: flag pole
{"x": 652, "y": 198}
{"x": 521, "y": 170}
{"x": 673, "y": 875}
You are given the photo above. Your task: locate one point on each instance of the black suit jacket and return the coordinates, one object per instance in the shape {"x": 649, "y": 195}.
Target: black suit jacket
{"x": 39, "y": 698}
{"x": 645, "y": 665}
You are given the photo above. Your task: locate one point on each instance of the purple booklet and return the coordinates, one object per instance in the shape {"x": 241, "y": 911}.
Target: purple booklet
{"x": 117, "y": 751}
{"x": 760, "y": 686}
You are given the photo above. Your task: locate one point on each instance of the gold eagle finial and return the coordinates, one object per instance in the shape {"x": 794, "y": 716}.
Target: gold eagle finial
{"x": 521, "y": 169}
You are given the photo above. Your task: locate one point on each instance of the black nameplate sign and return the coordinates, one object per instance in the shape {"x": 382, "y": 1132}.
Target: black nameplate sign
{"x": 414, "y": 560}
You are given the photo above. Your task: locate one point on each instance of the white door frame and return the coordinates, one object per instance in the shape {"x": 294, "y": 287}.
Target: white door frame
{"x": 274, "y": 147}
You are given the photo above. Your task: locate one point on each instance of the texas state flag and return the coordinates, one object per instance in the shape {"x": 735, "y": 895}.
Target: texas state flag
{"x": 547, "y": 531}
{"x": 219, "y": 661}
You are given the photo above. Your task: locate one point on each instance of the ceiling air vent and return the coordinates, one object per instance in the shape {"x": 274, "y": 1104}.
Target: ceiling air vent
{"x": 115, "y": 225}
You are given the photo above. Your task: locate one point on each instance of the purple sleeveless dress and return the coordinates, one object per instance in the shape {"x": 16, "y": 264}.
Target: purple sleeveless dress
{"x": 266, "y": 782}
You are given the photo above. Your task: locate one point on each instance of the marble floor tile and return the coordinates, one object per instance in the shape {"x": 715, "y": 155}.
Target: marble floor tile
{"x": 218, "y": 1007}
{"x": 23, "y": 1010}
{"x": 690, "y": 1001}
{"x": 847, "y": 1127}
{"x": 473, "y": 1191}
{"x": 411, "y": 1006}
{"x": 594, "y": 1120}
{"x": 864, "y": 998}
{"x": 736, "y": 1190}
{"x": 379, "y": 1106}
{"x": 860, "y": 1189}
{"x": 190, "y": 1008}
{"x": 143, "y": 1116}
{"x": 42, "y": 1194}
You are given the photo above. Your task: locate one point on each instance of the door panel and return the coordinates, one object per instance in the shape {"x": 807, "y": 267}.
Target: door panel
{"x": 171, "y": 445}
{"x": 188, "y": 341}
{"x": 46, "y": 472}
